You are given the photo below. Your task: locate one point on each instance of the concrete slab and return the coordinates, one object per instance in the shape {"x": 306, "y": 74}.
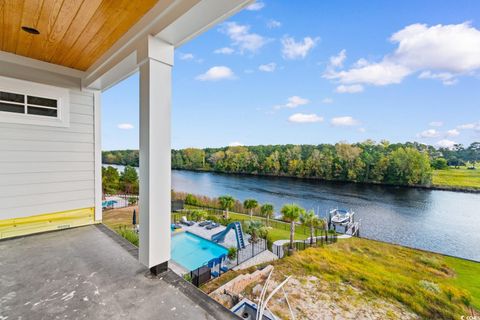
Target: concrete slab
{"x": 91, "y": 273}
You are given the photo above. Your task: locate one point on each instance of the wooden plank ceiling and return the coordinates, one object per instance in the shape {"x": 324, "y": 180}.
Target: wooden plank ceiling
{"x": 73, "y": 33}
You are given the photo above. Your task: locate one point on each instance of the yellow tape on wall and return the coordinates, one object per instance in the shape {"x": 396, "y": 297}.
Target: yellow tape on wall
{"x": 46, "y": 222}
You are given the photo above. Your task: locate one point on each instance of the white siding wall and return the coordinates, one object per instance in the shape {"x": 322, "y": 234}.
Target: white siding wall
{"x": 48, "y": 169}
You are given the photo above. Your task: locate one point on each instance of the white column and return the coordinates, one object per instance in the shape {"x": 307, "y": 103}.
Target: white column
{"x": 156, "y": 61}
{"x": 98, "y": 155}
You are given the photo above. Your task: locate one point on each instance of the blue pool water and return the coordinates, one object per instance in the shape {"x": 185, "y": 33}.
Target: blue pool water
{"x": 191, "y": 251}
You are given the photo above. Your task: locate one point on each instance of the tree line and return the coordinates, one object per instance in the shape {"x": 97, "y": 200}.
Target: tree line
{"x": 409, "y": 163}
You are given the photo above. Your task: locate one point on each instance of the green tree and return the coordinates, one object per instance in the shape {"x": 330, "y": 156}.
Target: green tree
{"x": 256, "y": 230}
{"x": 250, "y": 204}
{"x": 291, "y": 213}
{"x": 226, "y": 203}
{"x": 110, "y": 180}
{"x": 440, "y": 164}
{"x": 311, "y": 220}
{"x": 267, "y": 211}
{"x": 129, "y": 180}
{"x": 408, "y": 166}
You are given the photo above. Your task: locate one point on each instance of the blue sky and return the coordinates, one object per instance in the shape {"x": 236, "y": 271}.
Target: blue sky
{"x": 310, "y": 72}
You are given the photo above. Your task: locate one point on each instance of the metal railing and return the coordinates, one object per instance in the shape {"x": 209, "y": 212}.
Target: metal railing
{"x": 204, "y": 273}
{"x": 299, "y": 245}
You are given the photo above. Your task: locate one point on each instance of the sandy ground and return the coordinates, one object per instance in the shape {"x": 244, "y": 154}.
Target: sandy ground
{"x": 314, "y": 298}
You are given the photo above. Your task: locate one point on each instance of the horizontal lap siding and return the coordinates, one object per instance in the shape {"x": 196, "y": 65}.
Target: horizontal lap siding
{"x": 48, "y": 169}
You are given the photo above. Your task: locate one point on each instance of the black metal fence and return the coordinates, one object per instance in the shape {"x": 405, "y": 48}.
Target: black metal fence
{"x": 205, "y": 273}
{"x": 284, "y": 249}
{"x": 250, "y": 251}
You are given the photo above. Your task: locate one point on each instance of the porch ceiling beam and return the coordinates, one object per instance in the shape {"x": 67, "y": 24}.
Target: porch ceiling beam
{"x": 175, "y": 25}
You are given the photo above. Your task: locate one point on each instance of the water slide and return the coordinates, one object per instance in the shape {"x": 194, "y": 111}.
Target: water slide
{"x": 219, "y": 237}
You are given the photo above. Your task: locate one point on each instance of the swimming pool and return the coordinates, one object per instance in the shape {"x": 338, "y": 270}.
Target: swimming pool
{"x": 192, "y": 251}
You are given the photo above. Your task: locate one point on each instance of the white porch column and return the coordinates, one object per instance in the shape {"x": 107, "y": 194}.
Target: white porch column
{"x": 156, "y": 60}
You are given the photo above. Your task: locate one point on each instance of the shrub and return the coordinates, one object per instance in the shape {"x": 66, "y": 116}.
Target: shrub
{"x": 191, "y": 200}
{"x": 232, "y": 253}
{"x": 256, "y": 229}
{"x": 129, "y": 234}
{"x": 198, "y": 215}
{"x": 430, "y": 286}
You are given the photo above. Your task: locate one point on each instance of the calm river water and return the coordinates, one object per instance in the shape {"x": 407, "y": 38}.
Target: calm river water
{"x": 440, "y": 221}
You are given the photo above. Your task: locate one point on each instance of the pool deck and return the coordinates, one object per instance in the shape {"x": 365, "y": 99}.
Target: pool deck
{"x": 230, "y": 238}
{"x": 91, "y": 273}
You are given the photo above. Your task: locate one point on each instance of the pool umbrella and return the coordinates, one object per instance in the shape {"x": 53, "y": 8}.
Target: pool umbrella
{"x": 134, "y": 218}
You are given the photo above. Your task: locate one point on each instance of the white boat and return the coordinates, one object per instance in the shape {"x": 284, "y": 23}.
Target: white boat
{"x": 341, "y": 216}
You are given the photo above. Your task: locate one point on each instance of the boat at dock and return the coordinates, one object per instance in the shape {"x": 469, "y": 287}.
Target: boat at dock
{"x": 341, "y": 216}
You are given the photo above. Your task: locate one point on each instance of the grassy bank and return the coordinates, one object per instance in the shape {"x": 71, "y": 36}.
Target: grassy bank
{"x": 358, "y": 271}
{"x": 457, "y": 178}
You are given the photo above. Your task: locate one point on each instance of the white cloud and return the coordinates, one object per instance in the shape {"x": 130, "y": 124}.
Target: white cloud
{"x": 224, "y": 50}
{"x": 293, "y": 102}
{"x": 469, "y": 126}
{"x": 297, "y": 50}
{"x": 256, "y": 6}
{"x": 125, "y": 126}
{"x": 354, "y": 88}
{"x": 430, "y": 133}
{"x": 447, "y": 78}
{"x": 441, "y": 52}
{"x": 242, "y": 38}
{"x": 452, "y": 48}
{"x": 453, "y": 133}
{"x": 362, "y": 130}
{"x": 217, "y": 73}
{"x": 344, "y": 121}
{"x": 436, "y": 124}
{"x": 235, "y": 144}
{"x": 186, "y": 56}
{"x": 272, "y": 24}
{"x": 327, "y": 100}
{"x": 305, "y": 118}
{"x": 269, "y": 67}
{"x": 445, "y": 143}
{"x": 337, "y": 61}
{"x": 378, "y": 74}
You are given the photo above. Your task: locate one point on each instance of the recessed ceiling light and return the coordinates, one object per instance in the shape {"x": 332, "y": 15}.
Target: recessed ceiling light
{"x": 30, "y": 30}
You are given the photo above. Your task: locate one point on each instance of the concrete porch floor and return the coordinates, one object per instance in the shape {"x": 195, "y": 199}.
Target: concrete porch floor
{"x": 91, "y": 273}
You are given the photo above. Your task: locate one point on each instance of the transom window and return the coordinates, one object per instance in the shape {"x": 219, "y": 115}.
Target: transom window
{"x": 33, "y": 103}
{"x": 22, "y": 103}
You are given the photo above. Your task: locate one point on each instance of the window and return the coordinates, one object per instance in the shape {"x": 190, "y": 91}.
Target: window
{"x": 32, "y": 103}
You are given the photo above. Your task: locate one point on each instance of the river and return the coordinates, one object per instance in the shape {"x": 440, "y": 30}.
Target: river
{"x": 440, "y": 221}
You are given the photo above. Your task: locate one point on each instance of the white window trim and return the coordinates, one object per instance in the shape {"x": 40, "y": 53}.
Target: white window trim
{"x": 38, "y": 90}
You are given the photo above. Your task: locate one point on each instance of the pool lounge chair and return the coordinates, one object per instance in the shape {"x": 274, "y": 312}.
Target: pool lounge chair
{"x": 205, "y": 223}
{"x": 224, "y": 269}
{"x": 222, "y": 259}
{"x": 212, "y": 226}
{"x": 184, "y": 221}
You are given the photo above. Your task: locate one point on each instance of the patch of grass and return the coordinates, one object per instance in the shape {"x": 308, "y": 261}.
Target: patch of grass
{"x": 467, "y": 275}
{"x": 128, "y": 234}
{"x": 430, "y": 285}
{"x": 457, "y": 178}
{"x": 278, "y": 230}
